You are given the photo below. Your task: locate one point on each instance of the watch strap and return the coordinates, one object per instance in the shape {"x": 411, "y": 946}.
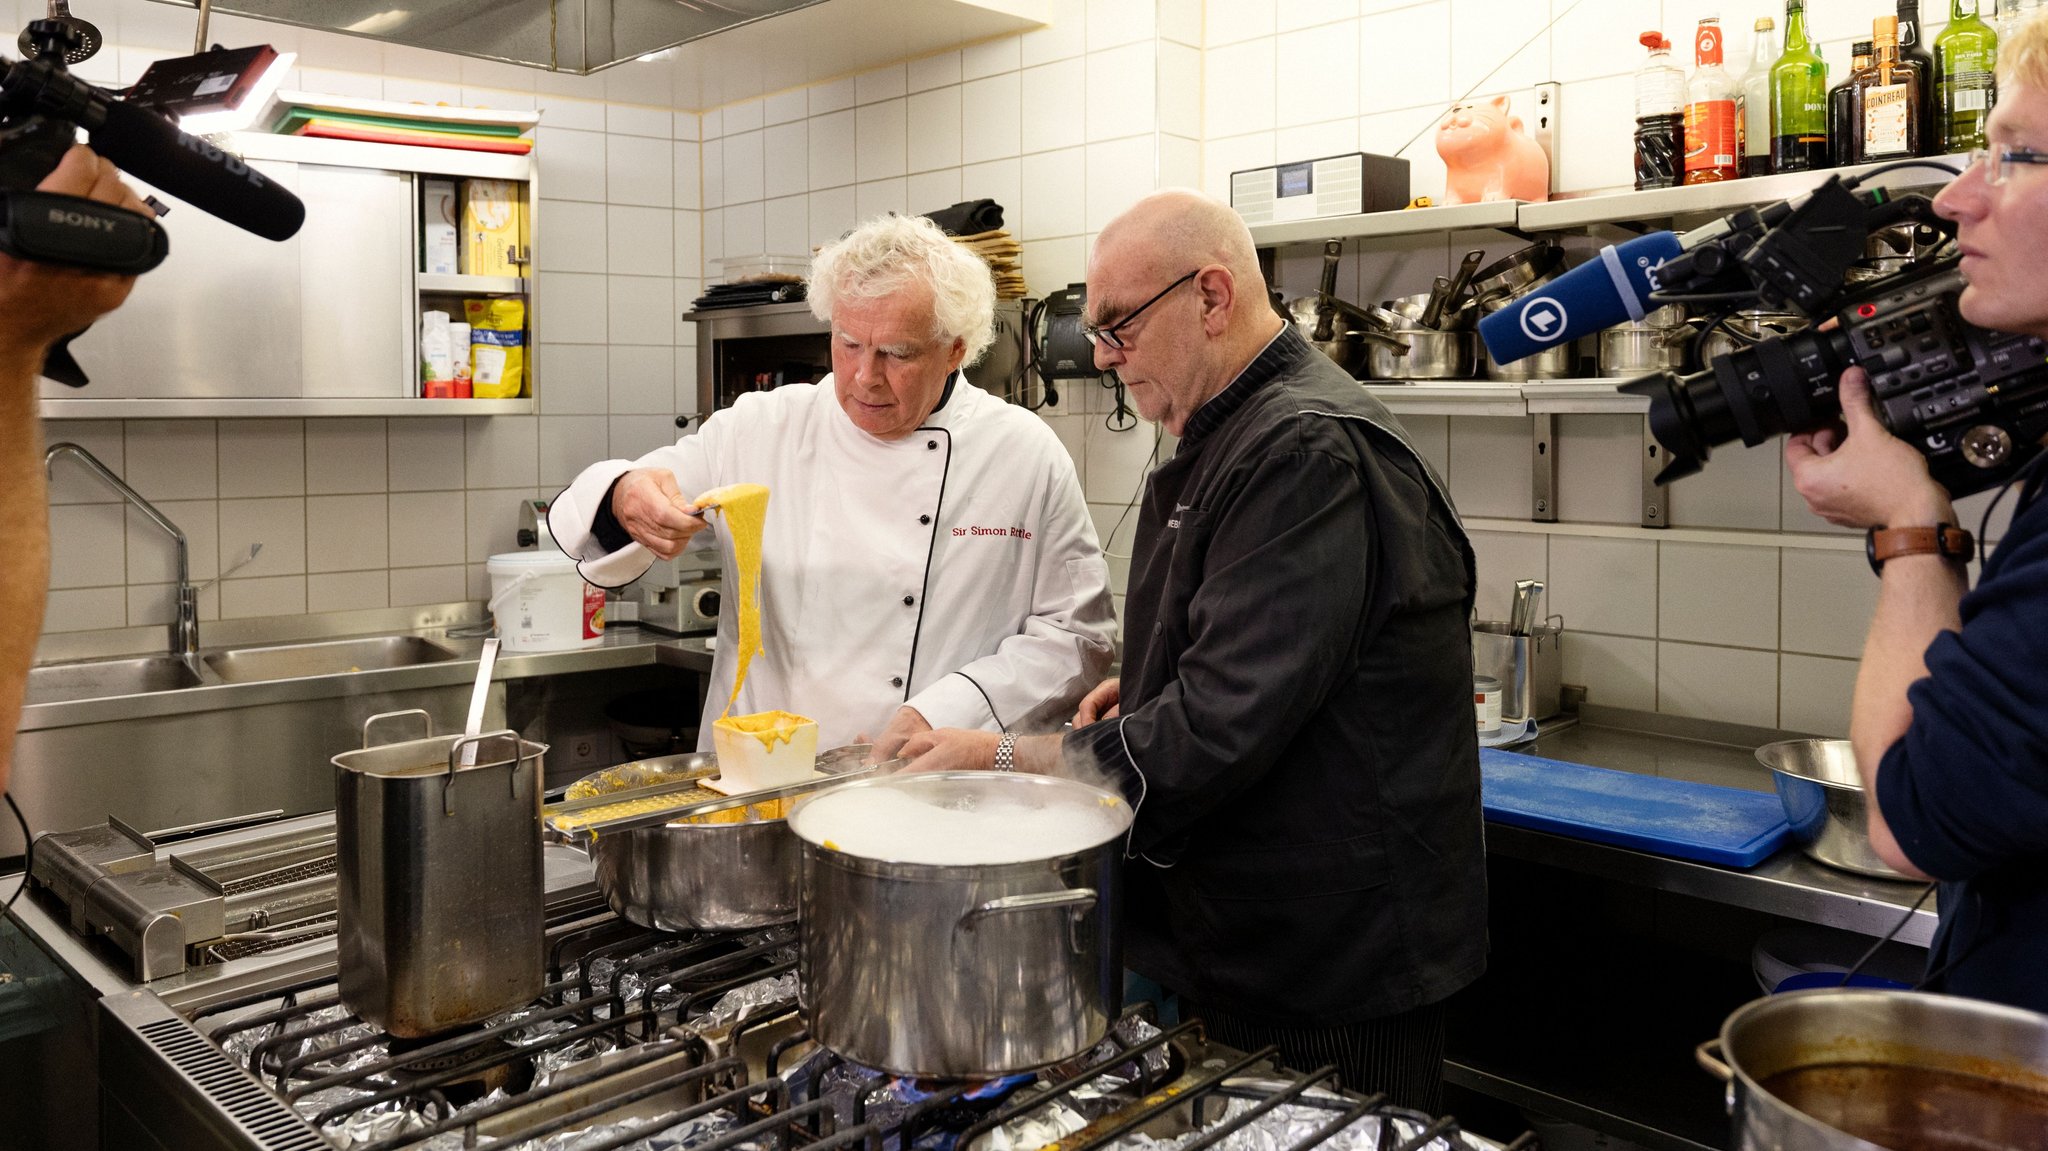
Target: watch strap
{"x": 1946, "y": 540}
{"x": 1006, "y": 752}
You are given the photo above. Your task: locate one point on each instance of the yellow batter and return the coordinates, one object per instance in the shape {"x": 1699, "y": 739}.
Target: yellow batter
{"x": 608, "y": 782}
{"x": 744, "y": 508}
{"x": 770, "y": 727}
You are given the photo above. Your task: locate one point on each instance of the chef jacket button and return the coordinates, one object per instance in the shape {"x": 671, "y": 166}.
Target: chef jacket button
{"x": 924, "y": 519}
{"x": 931, "y": 445}
{"x": 896, "y": 681}
{"x": 909, "y": 600}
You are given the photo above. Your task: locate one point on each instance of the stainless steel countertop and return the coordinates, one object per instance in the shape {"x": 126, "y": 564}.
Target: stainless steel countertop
{"x": 1787, "y": 884}
{"x": 622, "y": 646}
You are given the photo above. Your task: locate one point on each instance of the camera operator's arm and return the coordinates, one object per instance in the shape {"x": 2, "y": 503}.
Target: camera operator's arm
{"x": 1870, "y": 478}
{"x": 39, "y": 304}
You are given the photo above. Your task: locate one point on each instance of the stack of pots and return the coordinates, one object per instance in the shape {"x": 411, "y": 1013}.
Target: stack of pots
{"x": 1656, "y": 343}
{"x": 1509, "y": 279}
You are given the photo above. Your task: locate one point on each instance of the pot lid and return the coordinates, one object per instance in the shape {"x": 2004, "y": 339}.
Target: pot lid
{"x": 962, "y": 818}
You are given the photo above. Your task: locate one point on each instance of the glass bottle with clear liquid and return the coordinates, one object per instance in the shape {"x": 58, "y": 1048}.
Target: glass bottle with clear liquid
{"x": 1753, "y": 99}
{"x": 1964, "y": 55}
{"x": 1799, "y": 99}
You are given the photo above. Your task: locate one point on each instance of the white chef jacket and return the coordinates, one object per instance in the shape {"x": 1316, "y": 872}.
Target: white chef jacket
{"x": 954, "y": 569}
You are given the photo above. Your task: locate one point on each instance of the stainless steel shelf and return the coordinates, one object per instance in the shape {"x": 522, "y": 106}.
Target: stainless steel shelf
{"x": 472, "y": 285}
{"x": 1576, "y": 397}
{"x": 284, "y": 408}
{"x": 392, "y": 157}
{"x": 1405, "y": 222}
{"x": 1460, "y": 398}
{"x": 1708, "y": 200}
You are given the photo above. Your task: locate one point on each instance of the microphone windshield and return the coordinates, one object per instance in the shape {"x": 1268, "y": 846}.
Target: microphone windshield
{"x": 153, "y": 149}
{"x": 1597, "y": 294}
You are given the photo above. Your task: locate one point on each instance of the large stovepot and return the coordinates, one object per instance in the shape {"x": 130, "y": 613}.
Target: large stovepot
{"x": 1868, "y": 1070}
{"x": 963, "y": 970}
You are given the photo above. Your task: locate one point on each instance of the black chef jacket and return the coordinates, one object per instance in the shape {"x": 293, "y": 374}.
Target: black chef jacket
{"x": 1297, "y": 733}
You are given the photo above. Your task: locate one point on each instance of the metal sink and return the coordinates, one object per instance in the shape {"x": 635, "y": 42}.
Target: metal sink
{"x": 334, "y": 657}
{"x": 100, "y": 678}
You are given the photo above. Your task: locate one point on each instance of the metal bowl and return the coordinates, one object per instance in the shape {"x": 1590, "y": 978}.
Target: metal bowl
{"x": 1431, "y": 355}
{"x": 1558, "y": 363}
{"x": 1825, "y": 802}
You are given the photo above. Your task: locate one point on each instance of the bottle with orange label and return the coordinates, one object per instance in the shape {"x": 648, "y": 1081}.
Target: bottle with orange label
{"x": 1710, "y": 148}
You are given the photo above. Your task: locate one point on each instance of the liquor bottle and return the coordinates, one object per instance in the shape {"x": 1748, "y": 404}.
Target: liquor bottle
{"x": 1753, "y": 100}
{"x": 1913, "y": 50}
{"x": 2012, "y": 14}
{"x": 1889, "y": 120}
{"x": 1842, "y": 127}
{"x": 1660, "y": 117}
{"x": 1709, "y": 110}
{"x": 1799, "y": 99}
{"x": 1964, "y": 55}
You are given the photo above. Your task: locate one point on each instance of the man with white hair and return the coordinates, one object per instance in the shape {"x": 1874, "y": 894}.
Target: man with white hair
{"x": 928, "y": 559}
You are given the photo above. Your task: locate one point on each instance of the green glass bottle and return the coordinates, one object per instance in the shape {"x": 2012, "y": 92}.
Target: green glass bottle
{"x": 1964, "y": 55}
{"x": 1799, "y": 99}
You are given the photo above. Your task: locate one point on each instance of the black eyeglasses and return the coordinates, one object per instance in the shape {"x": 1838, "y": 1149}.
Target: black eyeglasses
{"x": 1998, "y": 162}
{"x": 1109, "y": 335}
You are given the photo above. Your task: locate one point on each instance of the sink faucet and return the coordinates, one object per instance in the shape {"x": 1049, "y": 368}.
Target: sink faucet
{"x": 185, "y": 628}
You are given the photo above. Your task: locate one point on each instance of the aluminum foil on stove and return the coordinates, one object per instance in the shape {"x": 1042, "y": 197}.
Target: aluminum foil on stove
{"x": 1293, "y": 1124}
{"x": 742, "y": 1003}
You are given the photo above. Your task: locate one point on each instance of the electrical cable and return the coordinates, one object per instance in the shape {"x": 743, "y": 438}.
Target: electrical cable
{"x": 993, "y": 713}
{"x": 1887, "y": 937}
{"x": 1857, "y": 181}
{"x": 1151, "y": 463}
{"x": 27, "y": 847}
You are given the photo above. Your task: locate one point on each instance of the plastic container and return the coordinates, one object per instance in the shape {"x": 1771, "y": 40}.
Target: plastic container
{"x": 1486, "y": 703}
{"x": 748, "y": 762}
{"x": 543, "y": 604}
{"x": 763, "y": 269}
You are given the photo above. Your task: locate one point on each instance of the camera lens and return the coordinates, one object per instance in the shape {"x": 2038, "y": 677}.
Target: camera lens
{"x": 1780, "y": 384}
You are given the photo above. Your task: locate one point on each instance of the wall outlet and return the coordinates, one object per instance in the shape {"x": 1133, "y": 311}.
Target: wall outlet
{"x": 587, "y": 751}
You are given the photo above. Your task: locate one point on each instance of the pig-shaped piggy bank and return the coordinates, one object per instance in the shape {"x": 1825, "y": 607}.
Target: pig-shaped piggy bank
{"x": 1488, "y": 156}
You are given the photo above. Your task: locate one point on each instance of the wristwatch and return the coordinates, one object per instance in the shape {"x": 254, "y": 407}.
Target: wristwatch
{"x": 1945, "y": 540}
{"x": 1006, "y": 752}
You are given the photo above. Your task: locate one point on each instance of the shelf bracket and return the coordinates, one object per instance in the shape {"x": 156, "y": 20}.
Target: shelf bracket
{"x": 1543, "y": 468}
{"x": 1656, "y": 497}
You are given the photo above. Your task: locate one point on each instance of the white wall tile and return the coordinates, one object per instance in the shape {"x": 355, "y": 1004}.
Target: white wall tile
{"x": 989, "y": 57}
{"x": 576, "y": 379}
{"x": 786, "y": 225}
{"x": 1431, "y": 436}
{"x": 346, "y": 533}
{"x": 1237, "y": 20}
{"x": 1180, "y": 162}
{"x": 1331, "y": 138}
{"x": 641, "y": 241}
{"x": 635, "y": 436}
{"x": 1122, "y": 92}
{"x": 1814, "y": 694}
{"x": 336, "y": 83}
{"x": 930, "y": 190}
{"x": 1050, "y": 265}
{"x": 1616, "y": 671}
{"x": 934, "y": 129}
{"x": 1321, "y": 78}
{"x": 998, "y": 180}
{"x": 1491, "y": 38}
{"x": 84, "y": 609}
{"x": 1293, "y": 14}
{"x": 1829, "y": 598}
{"x": 784, "y": 107}
{"x": 1587, "y": 40}
{"x": 1119, "y": 172}
{"x": 1180, "y": 21}
{"x": 880, "y": 196}
{"x": 1245, "y": 103}
{"x": 1401, "y": 57}
{"x": 1724, "y": 595}
{"x": 1221, "y": 157}
{"x": 568, "y": 112}
{"x": 429, "y": 585}
{"x": 1797, "y": 517}
{"x": 935, "y": 71}
{"x": 1178, "y": 89}
{"x": 502, "y": 451}
{"x": 1490, "y": 467}
{"x": 741, "y": 169}
{"x": 1603, "y": 585}
{"x": 742, "y": 116}
{"x": 643, "y": 383}
{"x": 712, "y": 156}
{"x": 1590, "y": 155}
{"x": 643, "y": 308}
{"x": 157, "y": 603}
{"x": 568, "y": 444}
{"x": 1065, "y": 34}
{"x": 1054, "y": 194}
{"x": 426, "y": 455}
{"x": 831, "y": 96}
{"x": 1409, "y": 135}
{"x": 833, "y": 149}
{"x": 885, "y": 83}
{"x": 88, "y": 545}
{"x": 409, "y": 91}
{"x": 262, "y": 457}
{"x": 1737, "y": 489}
{"x": 153, "y": 558}
{"x": 832, "y": 215}
{"x": 1055, "y": 96}
{"x": 575, "y": 240}
{"x": 689, "y": 253}
{"x": 635, "y": 120}
{"x": 494, "y": 521}
{"x": 639, "y": 171}
{"x": 171, "y": 459}
{"x": 572, "y": 163}
{"x": 1597, "y": 468}
{"x": 1117, "y": 462}
{"x": 345, "y": 455}
{"x": 882, "y": 132}
{"x": 1116, "y": 22}
{"x": 263, "y": 596}
{"x": 105, "y": 439}
{"x": 689, "y": 126}
{"x": 688, "y": 174}
{"x": 278, "y": 524}
{"x": 991, "y": 118}
{"x": 1722, "y": 683}
{"x": 571, "y": 305}
{"x": 1501, "y": 559}
{"x": 786, "y": 160}
{"x": 348, "y": 591}
{"x": 427, "y": 528}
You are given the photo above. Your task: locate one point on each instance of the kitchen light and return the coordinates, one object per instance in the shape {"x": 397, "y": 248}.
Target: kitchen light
{"x": 244, "y": 112}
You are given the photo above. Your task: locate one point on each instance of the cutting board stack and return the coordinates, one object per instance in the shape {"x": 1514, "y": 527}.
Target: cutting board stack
{"x": 1002, "y": 252}
{"x": 391, "y": 122}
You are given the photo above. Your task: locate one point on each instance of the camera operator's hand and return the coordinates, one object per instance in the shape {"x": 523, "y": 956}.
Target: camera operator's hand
{"x": 1859, "y": 475}
{"x": 40, "y": 303}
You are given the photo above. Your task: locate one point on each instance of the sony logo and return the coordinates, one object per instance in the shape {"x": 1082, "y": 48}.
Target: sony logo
{"x": 80, "y": 220}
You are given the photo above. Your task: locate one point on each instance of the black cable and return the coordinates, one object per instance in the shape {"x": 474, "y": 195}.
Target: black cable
{"x": 1003, "y": 727}
{"x": 2026, "y": 472}
{"x": 1857, "y": 181}
{"x": 1887, "y": 937}
{"x": 27, "y": 846}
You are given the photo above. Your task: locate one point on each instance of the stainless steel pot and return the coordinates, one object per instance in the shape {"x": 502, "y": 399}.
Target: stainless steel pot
{"x": 1825, "y": 802}
{"x": 1558, "y": 363}
{"x": 1656, "y": 343}
{"x": 1517, "y": 272}
{"x": 1866, "y": 1070}
{"x": 440, "y": 886}
{"x": 961, "y": 970}
{"x": 1751, "y": 325}
{"x": 1430, "y": 356}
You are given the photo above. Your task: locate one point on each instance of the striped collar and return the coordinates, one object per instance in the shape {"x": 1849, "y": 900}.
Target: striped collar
{"x": 1282, "y": 350}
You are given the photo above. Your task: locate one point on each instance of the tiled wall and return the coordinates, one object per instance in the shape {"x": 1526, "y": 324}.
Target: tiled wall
{"x": 356, "y": 513}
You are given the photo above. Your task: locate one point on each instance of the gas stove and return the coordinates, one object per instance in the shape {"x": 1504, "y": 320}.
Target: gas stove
{"x": 641, "y": 1039}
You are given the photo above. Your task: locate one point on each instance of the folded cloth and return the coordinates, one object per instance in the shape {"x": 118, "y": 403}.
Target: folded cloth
{"x": 968, "y": 217}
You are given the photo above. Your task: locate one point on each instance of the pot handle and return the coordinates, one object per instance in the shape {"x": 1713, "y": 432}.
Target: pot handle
{"x": 1709, "y": 1056}
{"x": 428, "y": 720}
{"x": 455, "y": 763}
{"x": 1077, "y": 899}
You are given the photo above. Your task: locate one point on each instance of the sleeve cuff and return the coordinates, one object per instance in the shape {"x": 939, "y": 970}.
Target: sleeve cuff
{"x": 605, "y": 526}
{"x": 954, "y": 702}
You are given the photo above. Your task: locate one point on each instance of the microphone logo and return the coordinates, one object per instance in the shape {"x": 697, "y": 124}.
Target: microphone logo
{"x": 227, "y": 160}
{"x": 1543, "y": 319}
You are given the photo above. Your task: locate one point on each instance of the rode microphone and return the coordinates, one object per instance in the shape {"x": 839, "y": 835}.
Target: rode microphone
{"x": 1597, "y": 294}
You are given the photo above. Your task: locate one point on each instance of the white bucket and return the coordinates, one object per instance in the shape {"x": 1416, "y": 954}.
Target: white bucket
{"x": 542, "y": 604}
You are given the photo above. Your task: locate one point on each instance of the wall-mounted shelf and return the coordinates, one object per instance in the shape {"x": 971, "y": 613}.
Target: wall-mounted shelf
{"x": 280, "y": 408}
{"x": 473, "y": 285}
{"x": 1405, "y": 222}
{"x": 394, "y": 157}
{"x": 1450, "y": 398}
{"x": 1580, "y": 397}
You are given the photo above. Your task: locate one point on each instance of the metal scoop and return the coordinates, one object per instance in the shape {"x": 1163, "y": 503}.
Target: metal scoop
{"x": 81, "y": 37}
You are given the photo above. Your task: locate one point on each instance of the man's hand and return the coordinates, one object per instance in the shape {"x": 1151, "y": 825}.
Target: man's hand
{"x": 907, "y": 722}
{"x": 655, "y": 512}
{"x": 1100, "y": 703}
{"x": 1868, "y": 478}
{"x": 951, "y": 749}
{"x": 41, "y": 303}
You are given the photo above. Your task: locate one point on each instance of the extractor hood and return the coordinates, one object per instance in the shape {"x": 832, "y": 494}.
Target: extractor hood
{"x": 580, "y": 36}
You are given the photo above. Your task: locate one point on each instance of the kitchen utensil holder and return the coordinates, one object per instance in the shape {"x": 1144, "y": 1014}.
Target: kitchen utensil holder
{"x": 1529, "y": 667}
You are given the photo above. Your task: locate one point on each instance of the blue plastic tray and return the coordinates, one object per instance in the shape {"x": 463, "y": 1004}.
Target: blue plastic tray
{"x": 1697, "y": 821}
